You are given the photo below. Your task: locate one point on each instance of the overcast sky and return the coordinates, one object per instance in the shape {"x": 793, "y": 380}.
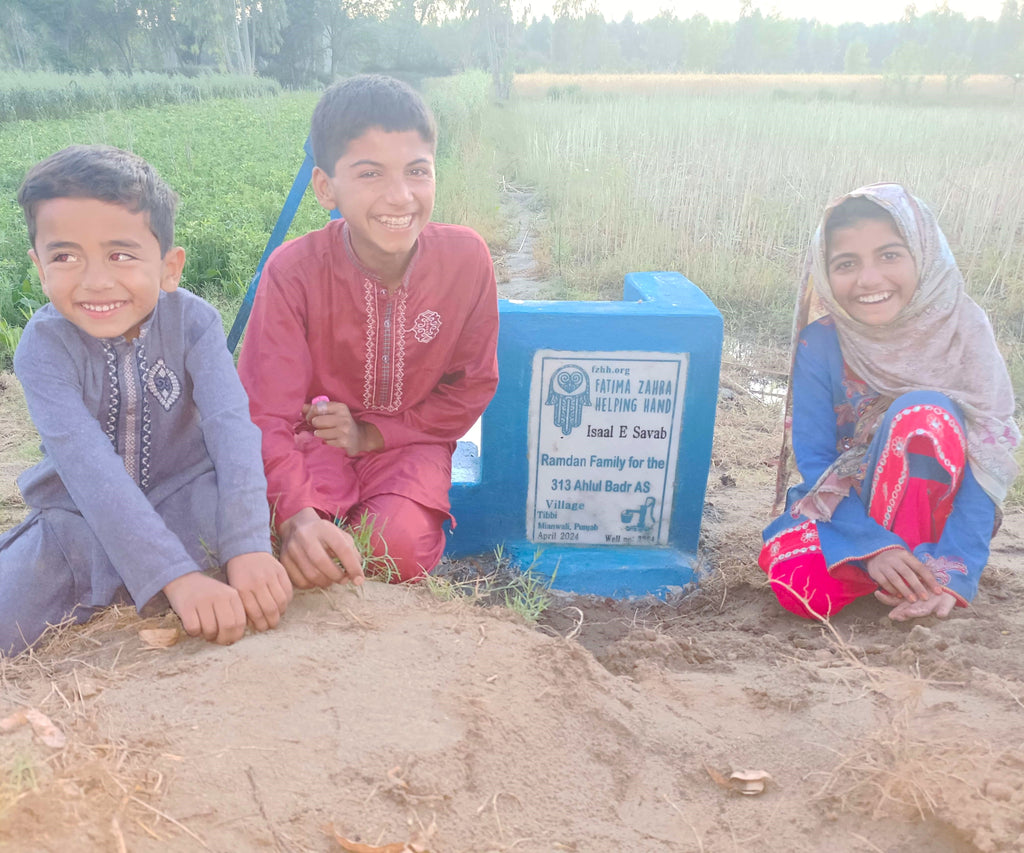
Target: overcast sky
{"x": 826, "y": 11}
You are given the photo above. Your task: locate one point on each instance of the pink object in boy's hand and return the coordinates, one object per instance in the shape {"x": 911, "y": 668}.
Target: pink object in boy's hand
{"x": 320, "y": 403}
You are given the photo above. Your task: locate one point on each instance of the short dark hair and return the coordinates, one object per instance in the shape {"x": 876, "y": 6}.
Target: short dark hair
{"x": 103, "y": 173}
{"x": 349, "y": 108}
{"x": 853, "y": 210}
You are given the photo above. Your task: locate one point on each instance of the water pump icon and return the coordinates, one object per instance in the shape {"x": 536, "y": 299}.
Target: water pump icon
{"x": 643, "y": 516}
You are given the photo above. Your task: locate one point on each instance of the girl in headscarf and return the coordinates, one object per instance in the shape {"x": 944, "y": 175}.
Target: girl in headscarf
{"x": 900, "y": 419}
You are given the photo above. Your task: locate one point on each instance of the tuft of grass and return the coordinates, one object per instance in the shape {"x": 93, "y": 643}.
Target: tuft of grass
{"x": 17, "y": 777}
{"x": 530, "y": 596}
{"x": 494, "y": 581}
{"x": 529, "y": 593}
{"x": 376, "y": 566}
{"x": 915, "y": 765}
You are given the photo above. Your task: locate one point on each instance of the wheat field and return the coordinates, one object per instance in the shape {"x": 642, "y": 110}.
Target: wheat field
{"x": 727, "y": 185}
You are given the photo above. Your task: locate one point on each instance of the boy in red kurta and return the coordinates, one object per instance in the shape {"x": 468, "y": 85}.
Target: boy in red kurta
{"x": 391, "y": 318}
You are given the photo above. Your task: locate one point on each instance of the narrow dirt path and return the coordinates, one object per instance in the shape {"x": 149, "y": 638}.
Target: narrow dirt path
{"x": 518, "y": 272}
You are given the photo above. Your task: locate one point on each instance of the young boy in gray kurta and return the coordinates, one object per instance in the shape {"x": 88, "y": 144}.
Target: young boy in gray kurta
{"x": 151, "y": 465}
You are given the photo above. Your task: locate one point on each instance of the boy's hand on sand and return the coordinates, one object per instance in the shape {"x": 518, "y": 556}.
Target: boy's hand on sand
{"x": 333, "y": 422}
{"x": 938, "y": 605}
{"x": 309, "y": 545}
{"x": 263, "y": 585}
{"x": 207, "y": 608}
{"x": 901, "y": 575}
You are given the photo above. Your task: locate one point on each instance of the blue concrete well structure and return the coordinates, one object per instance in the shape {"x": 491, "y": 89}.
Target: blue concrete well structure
{"x": 594, "y": 454}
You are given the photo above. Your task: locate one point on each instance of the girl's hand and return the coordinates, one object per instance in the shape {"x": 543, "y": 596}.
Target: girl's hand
{"x": 207, "y": 607}
{"x": 900, "y": 574}
{"x": 938, "y": 605}
{"x": 263, "y": 585}
{"x": 333, "y": 422}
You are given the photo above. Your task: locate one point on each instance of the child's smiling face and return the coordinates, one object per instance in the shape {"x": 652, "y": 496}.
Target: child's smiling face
{"x": 383, "y": 185}
{"x": 871, "y": 271}
{"x": 100, "y": 265}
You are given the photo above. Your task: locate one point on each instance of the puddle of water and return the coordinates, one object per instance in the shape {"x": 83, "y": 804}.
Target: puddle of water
{"x": 768, "y": 391}
{"x": 759, "y": 364}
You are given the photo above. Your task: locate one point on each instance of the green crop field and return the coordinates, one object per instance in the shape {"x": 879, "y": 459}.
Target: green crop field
{"x": 232, "y": 161}
{"x": 724, "y": 184}
{"x": 728, "y": 187}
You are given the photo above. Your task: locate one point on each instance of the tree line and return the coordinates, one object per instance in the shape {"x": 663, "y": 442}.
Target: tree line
{"x": 309, "y": 42}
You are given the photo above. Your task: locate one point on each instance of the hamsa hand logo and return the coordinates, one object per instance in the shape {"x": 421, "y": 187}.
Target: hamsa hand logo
{"x": 568, "y": 392}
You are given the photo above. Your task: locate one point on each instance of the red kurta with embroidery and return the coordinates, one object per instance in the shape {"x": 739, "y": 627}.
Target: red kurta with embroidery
{"x": 419, "y": 362}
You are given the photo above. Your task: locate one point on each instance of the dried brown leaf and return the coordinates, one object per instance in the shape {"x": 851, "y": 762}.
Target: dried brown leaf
{"x": 14, "y": 721}
{"x": 45, "y": 729}
{"x": 716, "y": 777}
{"x": 159, "y": 638}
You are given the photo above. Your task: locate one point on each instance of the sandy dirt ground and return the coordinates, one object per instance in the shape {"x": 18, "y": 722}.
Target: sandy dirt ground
{"x": 400, "y": 721}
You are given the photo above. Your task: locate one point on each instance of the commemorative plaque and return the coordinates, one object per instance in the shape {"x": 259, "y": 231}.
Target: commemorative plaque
{"x": 604, "y": 437}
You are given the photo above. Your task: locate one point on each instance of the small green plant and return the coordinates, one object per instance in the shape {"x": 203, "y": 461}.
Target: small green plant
{"x": 530, "y": 594}
{"x": 500, "y": 559}
{"x": 378, "y": 567}
{"x": 16, "y": 778}
{"x": 9, "y": 337}
{"x": 448, "y": 589}
{"x": 494, "y": 583}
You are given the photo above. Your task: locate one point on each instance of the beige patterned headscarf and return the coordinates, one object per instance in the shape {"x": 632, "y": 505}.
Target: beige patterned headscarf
{"x": 941, "y": 340}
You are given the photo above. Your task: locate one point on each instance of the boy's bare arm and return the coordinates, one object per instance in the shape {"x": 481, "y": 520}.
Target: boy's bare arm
{"x": 309, "y": 546}
{"x": 263, "y": 585}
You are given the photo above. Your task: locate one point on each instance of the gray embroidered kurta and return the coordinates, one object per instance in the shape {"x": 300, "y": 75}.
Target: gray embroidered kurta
{"x": 151, "y": 465}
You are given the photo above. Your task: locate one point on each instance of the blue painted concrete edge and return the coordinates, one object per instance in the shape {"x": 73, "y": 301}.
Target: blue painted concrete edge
{"x": 615, "y": 572}
{"x": 668, "y": 313}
